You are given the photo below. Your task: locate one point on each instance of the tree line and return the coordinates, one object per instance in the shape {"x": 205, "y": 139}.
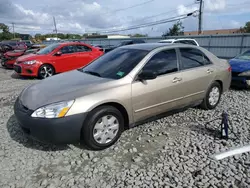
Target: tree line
{"x": 176, "y": 30}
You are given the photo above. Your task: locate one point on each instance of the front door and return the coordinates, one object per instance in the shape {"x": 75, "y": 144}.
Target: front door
{"x": 197, "y": 74}
{"x": 152, "y": 97}
{"x": 67, "y": 60}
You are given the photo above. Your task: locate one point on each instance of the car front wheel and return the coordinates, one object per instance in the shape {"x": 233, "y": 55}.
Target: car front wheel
{"x": 103, "y": 127}
{"x": 212, "y": 97}
{"x": 46, "y": 71}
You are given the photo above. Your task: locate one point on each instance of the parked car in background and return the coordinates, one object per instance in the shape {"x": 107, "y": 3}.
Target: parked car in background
{"x": 17, "y": 45}
{"x": 56, "y": 58}
{"x": 181, "y": 40}
{"x": 241, "y": 70}
{"x": 5, "y": 48}
{"x": 119, "y": 90}
{"x": 28, "y": 43}
{"x": 125, "y": 43}
{"x": 9, "y": 58}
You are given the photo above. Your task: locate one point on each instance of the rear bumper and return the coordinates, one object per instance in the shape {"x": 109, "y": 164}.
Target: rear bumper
{"x": 66, "y": 130}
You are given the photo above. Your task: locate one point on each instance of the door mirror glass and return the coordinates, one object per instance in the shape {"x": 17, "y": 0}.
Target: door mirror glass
{"x": 59, "y": 53}
{"x": 147, "y": 75}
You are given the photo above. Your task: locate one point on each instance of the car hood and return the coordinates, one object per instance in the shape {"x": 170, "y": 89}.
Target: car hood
{"x": 239, "y": 65}
{"x": 14, "y": 53}
{"x": 62, "y": 87}
{"x": 30, "y": 57}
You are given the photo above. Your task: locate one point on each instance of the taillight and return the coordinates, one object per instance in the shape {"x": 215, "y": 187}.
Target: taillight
{"x": 229, "y": 69}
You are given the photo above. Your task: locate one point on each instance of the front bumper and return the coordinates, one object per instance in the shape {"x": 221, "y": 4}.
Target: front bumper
{"x": 242, "y": 82}
{"x": 66, "y": 130}
{"x": 26, "y": 70}
{"x": 8, "y": 62}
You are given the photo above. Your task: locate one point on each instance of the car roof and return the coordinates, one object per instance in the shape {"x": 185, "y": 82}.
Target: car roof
{"x": 152, "y": 46}
{"x": 177, "y": 39}
{"x": 69, "y": 43}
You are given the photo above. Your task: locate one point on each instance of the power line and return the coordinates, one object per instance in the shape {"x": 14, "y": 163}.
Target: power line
{"x": 150, "y": 23}
{"x": 163, "y": 13}
{"x": 133, "y": 6}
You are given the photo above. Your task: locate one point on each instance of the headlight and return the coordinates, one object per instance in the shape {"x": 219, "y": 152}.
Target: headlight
{"x": 247, "y": 73}
{"x": 30, "y": 62}
{"x": 56, "y": 110}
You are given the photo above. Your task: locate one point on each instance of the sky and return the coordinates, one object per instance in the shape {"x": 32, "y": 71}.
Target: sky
{"x": 82, "y": 16}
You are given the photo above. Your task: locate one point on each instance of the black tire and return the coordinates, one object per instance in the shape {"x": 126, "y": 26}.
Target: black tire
{"x": 41, "y": 73}
{"x": 3, "y": 63}
{"x": 87, "y": 134}
{"x": 206, "y": 105}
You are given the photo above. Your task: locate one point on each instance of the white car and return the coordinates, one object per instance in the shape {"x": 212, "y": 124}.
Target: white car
{"x": 182, "y": 40}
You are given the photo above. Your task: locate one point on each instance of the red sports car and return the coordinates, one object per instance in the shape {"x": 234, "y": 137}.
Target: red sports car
{"x": 56, "y": 58}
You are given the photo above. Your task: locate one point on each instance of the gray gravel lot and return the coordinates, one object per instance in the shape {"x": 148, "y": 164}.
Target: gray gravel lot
{"x": 169, "y": 152}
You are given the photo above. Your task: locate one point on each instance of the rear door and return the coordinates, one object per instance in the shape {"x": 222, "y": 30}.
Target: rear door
{"x": 198, "y": 72}
{"x": 66, "y": 61}
{"x": 152, "y": 97}
{"x": 84, "y": 55}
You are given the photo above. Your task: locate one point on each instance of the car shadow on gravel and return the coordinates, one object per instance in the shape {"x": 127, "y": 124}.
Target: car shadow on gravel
{"x": 18, "y": 77}
{"x": 19, "y": 136}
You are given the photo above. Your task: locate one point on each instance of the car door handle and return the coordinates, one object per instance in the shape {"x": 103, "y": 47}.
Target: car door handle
{"x": 209, "y": 71}
{"x": 177, "y": 80}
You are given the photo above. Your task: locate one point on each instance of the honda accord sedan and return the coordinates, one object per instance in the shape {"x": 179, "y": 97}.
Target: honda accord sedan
{"x": 94, "y": 104}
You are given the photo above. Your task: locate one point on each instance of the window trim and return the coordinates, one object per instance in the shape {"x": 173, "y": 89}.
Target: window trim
{"x": 181, "y": 63}
{"x": 152, "y": 55}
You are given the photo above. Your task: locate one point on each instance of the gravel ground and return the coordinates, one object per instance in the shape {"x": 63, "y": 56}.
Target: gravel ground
{"x": 170, "y": 152}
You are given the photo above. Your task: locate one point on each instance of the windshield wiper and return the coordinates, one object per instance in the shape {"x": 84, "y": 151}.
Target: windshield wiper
{"x": 92, "y": 73}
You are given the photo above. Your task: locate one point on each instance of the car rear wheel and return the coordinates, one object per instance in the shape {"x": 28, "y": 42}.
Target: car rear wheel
{"x": 103, "y": 127}
{"x": 46, "y": 71}
{"x": 213, "y": 96}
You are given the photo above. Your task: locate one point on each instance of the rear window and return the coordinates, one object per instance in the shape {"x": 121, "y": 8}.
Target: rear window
{"x": 245, "y": 55}
{"x": 191, "y": 42}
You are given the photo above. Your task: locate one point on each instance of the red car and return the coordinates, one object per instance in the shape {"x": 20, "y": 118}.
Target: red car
{"x": 9, "y": 58}
{"x": 56, "y": 58}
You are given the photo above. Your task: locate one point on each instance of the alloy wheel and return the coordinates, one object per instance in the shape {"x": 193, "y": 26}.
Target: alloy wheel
{"x": 46, "y": 71}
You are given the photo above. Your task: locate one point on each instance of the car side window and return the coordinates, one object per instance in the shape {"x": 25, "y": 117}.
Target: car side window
{"x": 67, "y": 49}
{"x": 192, "y": 58}
{"x": 82, "y": 48}
{"x": 163, "y": 62}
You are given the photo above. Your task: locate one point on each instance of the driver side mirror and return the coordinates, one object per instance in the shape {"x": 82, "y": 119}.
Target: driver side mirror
{"x": 147, "y": 75}
{"x": 59, "y": 53}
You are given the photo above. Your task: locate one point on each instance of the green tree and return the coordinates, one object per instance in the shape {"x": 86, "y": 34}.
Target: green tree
{"x": 138, "y": 35}
{"x": 176, "y": 30}
{"x": 4, "y": 32}
{"x": 246, "y": 28}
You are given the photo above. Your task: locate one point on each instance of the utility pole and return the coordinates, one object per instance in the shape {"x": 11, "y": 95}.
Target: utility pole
{"x": 55, "y": 25}
{"x": 13, "y": 26}
{"x": 200, "y": 16}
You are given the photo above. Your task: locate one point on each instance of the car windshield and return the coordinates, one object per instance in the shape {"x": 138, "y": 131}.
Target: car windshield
{"x": 122, "y": 43}
{"x": 244, "y": 56}
{"x": 48, "y": 49}
{"x": 115, "y": 64}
